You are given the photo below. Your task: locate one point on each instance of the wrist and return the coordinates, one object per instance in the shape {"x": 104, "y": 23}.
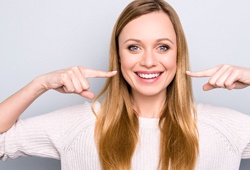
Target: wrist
{"x": 37, "y": 86}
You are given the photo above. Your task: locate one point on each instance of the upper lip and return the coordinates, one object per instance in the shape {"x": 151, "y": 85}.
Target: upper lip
{"x": 148, "y": 72}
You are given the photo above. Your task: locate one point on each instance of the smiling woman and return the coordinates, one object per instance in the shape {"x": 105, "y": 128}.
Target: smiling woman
{"x": 160, "y": 97}
{"x": 144, "y": 117}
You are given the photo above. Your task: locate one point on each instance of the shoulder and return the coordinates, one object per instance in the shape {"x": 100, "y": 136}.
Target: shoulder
{"x": 70, "y": 122}
{"x": 224, "y": 134}
{"x": 223, "y": 116}
{"x": 65, "y": 119}
{"x": 211, "y": 113}
{"x": 73, "y": 112}
{"x": 223, "y": 123}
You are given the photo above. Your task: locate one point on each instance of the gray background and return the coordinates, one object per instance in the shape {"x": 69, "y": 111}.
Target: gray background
{"x": 45, "y": 35}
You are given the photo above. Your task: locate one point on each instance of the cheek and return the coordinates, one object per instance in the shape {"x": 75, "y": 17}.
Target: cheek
{"x": 125, "y": 68}
{"x": 126, "y": 71}
{"x": 170, "y": 62}
{"x": 127, "y": 61}
{"x": 125, "y": 64}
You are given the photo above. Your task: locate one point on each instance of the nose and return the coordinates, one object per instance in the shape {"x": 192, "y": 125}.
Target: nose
{"x": 148, "y": 59}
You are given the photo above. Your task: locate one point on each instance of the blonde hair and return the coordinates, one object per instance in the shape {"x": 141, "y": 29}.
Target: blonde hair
{"x": 116, "y": 131}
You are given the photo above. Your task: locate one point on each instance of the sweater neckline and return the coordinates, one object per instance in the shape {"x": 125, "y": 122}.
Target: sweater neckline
{"x": 150, "y": 123}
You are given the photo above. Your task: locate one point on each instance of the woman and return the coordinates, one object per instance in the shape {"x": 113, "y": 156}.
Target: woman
{"x": 147, "y": 119}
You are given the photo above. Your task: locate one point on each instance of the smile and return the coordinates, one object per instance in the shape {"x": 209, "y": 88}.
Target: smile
{"x": 148, "y": 76}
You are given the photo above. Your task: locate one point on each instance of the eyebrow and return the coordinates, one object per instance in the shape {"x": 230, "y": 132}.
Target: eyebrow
{"x": 161, "y": 39}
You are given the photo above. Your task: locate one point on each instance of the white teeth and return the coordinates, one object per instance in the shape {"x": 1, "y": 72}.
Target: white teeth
{"x": 148, "y": 76}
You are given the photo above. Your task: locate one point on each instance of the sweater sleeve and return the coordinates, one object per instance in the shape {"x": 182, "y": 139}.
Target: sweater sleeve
{"x": 40, "y": 136}
{"x": 246, "y": 153}
{"x": 241, "y": 123}
{"x": 234, "y": 125}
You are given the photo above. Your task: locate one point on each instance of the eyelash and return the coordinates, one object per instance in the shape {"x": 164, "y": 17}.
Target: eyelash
{"x": 166, "y": 47}
{"x": 132, "y": 48}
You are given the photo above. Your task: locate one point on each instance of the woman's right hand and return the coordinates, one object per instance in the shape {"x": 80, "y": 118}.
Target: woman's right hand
{"x": 73, "y": 80}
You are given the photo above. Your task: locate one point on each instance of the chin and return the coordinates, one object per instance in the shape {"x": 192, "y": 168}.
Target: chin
{"x": 149, "y": 92}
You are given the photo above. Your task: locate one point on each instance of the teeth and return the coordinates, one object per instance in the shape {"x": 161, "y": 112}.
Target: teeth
{"x": 148, "y": 76}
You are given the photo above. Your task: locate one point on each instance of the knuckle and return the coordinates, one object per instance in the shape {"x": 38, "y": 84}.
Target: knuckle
{"x": 74, "y": 68}
{"x": 83, "y": 70}
{"x": 211, "y": 82}
{"x": 220, "y": 66}
{"x": 220, "y": 84}
{"x": 71, "y": 90}
{"x": 226, "y": 65}
{"x": 86, "y": 86}
{"x": 64, "y": 76}
{"x": 67, "y": 89}
{"x": 70, "y": 72}
{"x": 78, "y": 90}
{"x": 237, "y": 72}
{"x": 228, "y": 84}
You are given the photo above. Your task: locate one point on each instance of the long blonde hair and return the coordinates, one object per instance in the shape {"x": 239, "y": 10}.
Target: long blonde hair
{"x": 116, "y": 131}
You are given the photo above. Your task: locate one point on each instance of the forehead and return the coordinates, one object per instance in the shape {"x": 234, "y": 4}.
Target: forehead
{"x": 151, "y": 26}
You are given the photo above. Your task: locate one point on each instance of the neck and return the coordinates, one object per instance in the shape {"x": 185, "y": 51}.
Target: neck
{"x": 148, "y": 106}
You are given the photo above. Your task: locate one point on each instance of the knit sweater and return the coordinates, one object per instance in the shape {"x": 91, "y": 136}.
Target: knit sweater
{"x": 68, "y": 134}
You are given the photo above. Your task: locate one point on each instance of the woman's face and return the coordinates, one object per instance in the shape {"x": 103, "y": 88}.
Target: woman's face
{"x": 148, "y": 50}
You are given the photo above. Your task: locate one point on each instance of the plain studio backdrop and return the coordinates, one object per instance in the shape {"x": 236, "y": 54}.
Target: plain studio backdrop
{"x": 40, "y": 36}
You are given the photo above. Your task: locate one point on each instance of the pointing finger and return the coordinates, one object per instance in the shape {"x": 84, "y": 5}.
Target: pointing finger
{"x": 203, "y": 73}
{"x": 89, "y": 73}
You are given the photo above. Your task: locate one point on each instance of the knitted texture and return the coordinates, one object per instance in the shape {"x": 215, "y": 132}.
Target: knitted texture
{"x": 68, "y": 134}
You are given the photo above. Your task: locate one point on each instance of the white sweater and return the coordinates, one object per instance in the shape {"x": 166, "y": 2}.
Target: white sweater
{"x": 68, "y": 135}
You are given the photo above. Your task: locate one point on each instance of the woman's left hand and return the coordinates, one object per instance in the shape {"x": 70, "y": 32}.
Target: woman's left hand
{"x": 224, "y": 76}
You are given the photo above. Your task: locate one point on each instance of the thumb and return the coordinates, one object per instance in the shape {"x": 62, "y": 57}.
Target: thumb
{"x": 207, "y": 87}
{"x": 87, "y": 94}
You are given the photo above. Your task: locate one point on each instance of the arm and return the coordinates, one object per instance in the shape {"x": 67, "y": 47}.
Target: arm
{"x": 72, "y": 80}
{"x": 14, "y": 106}
{"x": 224, "y": 76}
{"x": 46, "y": 135}
{"x": 230, "y": 77}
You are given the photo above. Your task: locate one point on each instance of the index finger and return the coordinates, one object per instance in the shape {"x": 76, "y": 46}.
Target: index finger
{"x": 203, "y": 73}
{"x": 90, "y": 73}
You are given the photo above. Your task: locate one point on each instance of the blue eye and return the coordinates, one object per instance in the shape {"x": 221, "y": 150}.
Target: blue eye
{"x": 163, "y": 48}
{"x": 133, "y": 48}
